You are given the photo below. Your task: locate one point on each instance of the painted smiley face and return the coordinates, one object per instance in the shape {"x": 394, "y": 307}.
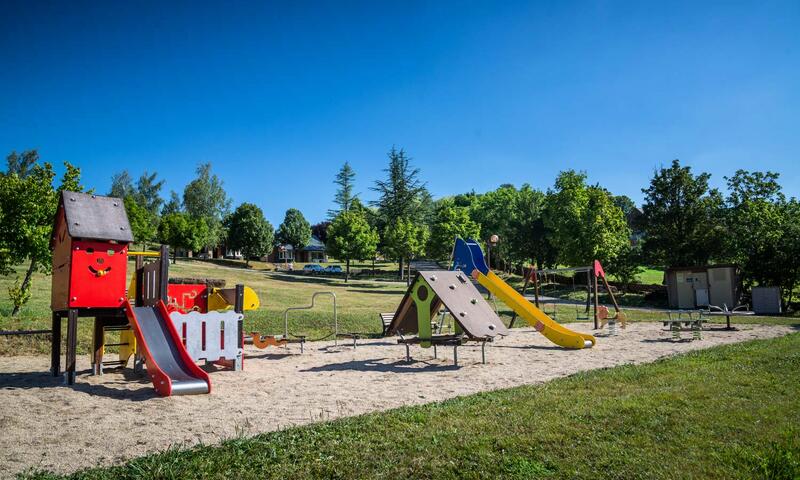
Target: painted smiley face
{"x": 98, "y": 271}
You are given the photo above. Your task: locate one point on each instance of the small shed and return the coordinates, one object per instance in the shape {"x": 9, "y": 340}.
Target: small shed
{"x": 90, "y": 240}
{"x": 695, "y": 287}
{"x": 766, "y": 300}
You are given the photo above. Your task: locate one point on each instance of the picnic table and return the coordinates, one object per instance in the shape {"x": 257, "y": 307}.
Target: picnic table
{"x": 740, "y": 311}
{"x": 689, "y": 318}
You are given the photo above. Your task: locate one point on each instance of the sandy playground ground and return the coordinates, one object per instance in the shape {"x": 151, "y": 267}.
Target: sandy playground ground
{"x": 108, "y": 419}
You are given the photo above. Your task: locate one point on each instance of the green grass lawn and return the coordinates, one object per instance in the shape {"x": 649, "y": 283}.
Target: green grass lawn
{"x": 727, "y": 412}
{"x": 359, "y": 303}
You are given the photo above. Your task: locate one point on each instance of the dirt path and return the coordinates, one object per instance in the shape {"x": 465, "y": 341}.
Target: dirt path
{"x": 105, "y": 420}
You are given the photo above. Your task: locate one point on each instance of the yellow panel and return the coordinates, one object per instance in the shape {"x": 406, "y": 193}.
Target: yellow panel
{"x": 554, "y": 332}
{"x": 127, "y": 351}
{"x": 218, "y": 302}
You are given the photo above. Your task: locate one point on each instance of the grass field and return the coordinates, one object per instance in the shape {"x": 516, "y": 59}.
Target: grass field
{"x": 359, "y": 303}
{"x": 726, "y": 412}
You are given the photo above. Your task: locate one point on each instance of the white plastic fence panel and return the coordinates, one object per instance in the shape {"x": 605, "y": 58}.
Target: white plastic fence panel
{"x": 217, "y": 326}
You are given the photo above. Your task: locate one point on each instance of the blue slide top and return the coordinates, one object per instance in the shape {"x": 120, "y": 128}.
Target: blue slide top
{"x": 468, "y": 256}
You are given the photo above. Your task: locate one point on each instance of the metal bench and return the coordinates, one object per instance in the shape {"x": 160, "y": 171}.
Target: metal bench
{"x": 454, "y": 341}
{"x": 386, "y": 320}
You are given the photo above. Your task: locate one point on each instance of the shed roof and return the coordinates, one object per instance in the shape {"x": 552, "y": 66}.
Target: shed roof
{"x": 95, "y": 217}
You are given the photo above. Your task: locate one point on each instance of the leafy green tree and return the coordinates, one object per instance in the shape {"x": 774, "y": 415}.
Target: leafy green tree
{"x": 320, "y": 230}
{"x": 295, "y": 230}
{"x": 27, "y": 207}
{"x": 121, "y": 185}
{"x": 528, "y": 238}
{"x": 406, "y": 240}
{"x": 345, "y": 190}
{"x": 21, "y": 163}
{"x": 450, "y": 222}
{"x": 682, "y": 218}
{"x": 148, "y": 193}
{"x": 143, "y": 225}
{"x": 205, "y": 198}
{"x": 494, "y": 212}
{"x": 181, "y": 231}
{"x": 173, "y": 205}
{"x": 350, "y": 237}
{"x": 584, "y": 221}
{"x": 250, "y": 232}
{"x": 624, "y": 203}
{"x": 763, "y": 230}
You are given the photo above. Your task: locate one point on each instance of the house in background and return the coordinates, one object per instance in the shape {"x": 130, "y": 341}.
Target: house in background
{"x": 313, "y": 252}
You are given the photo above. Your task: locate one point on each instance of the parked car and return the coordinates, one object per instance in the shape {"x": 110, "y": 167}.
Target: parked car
{"x": 312, "y": 268}
{"x": 333, "y": 269}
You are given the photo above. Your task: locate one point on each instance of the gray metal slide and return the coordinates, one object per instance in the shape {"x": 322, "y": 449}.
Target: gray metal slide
{"x": 161, "y": 349}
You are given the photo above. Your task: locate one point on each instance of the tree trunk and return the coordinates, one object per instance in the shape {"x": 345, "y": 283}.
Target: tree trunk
{"x": 408, "y": 277}
{"x": 347, "y": 271}
{"x": 400, "y": 261}
{"x": 25, "y": 283}
{"x": 174, "y": 256}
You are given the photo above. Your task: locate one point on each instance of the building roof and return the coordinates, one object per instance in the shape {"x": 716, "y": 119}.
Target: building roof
{"x": 315, "y": 245}
{"x": 95, "y": 217}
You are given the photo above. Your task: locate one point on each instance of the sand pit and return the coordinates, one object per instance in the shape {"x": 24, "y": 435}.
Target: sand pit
{"x": 106, "y": 420}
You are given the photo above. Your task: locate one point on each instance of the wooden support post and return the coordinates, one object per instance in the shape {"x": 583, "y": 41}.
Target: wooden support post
{"x": 163, "y": 274}
{"x": 610, "y": 294}
{"x": 72, "y": 345}
{"x": 535, "y": 277}
{"x": 98, "y": 341}
{"x": 139, "y": 281}
{"x": 55, "y": 345}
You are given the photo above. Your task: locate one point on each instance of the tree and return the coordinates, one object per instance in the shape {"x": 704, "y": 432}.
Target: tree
{"x": 763, "y": 229}
{"x": 528, "y": 238}
{"x": 181, "y": 231}
{"x": 27, "y": 207}
{"x": 148, "y": 193}
{"x": 682, "y": 218}
{"x": 624, "y": 203}
{"x": 400, "y": 192}
{"x": 21, "y": 164}
{"x": 406, "y": 240}
{"x": 173, "y": 205}
{"x": 344, "y": 193}
{"x": 250, "y": 232}
{"x": 585, "y": 223}
{"x": 121, "y": 185}
{"x": 450, "y": 222}
{"x": 399, "y": 196}
{"x": 351, "y": 238}
{"x": 494, "y": 212}
{"x": 295, "y": 230}
{"x": 143, "y": 224}
{"x": 320, "y": 230}
{"x": 204, "y": 197}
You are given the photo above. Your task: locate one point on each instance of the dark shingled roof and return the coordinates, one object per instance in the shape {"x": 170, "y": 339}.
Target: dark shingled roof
{"x": 94, "y": 217}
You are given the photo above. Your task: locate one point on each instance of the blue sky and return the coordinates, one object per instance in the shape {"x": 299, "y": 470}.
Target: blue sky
{"x": 278, "y": 95}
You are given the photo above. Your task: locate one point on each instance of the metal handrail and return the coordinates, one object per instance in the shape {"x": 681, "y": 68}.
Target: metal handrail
{"x": 309, "y": 307}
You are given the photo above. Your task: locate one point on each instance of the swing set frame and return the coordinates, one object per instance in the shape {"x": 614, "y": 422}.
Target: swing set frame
{"x": 595, "y": 274}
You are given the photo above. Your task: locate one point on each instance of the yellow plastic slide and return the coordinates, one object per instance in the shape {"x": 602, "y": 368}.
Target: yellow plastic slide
{"x": 536, "y": 318}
